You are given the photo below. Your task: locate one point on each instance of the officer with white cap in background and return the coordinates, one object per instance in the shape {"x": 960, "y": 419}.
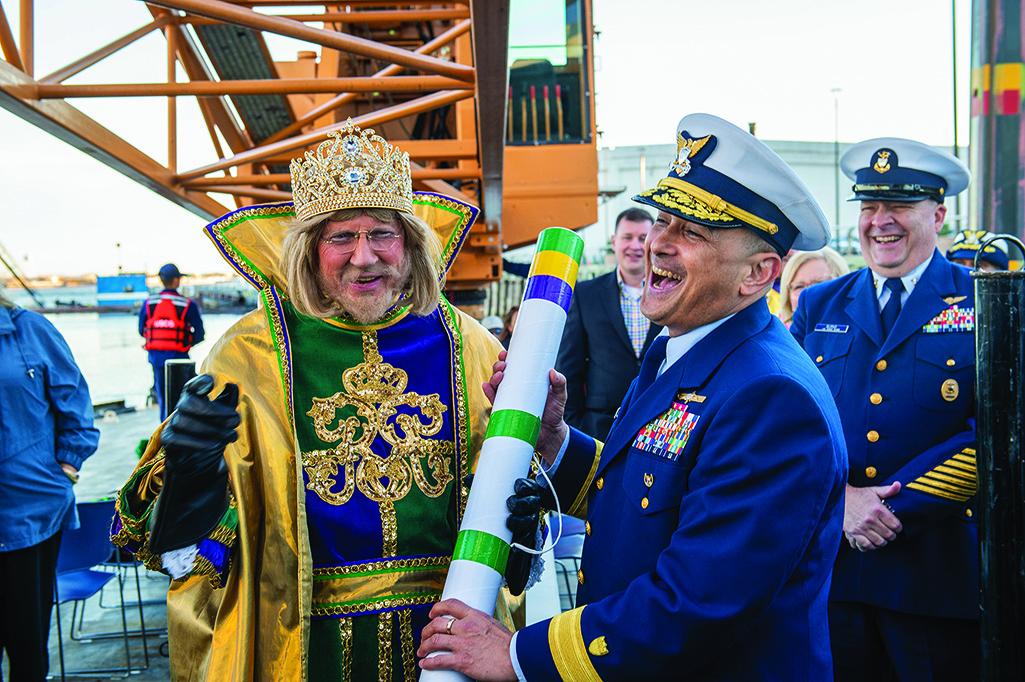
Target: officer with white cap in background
{"x": 966, "y": 246}
{"x": 896, "y": 343}
{"x": 714, "y": 507}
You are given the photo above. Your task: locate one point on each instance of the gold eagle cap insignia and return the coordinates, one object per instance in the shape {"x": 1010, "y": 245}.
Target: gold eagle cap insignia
{"x": 951, "y": 300}
{"x": 598, "y": 647}
{"x": 882, "y": 163}
{"x": 686, "y": 148}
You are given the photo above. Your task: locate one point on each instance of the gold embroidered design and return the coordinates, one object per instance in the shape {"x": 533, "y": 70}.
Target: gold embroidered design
{"x": 345, "y": 635}
{"x": 389, "y": 529}
{"x": 218, "y": 233}
{"x": 406, "y": 637}
{"x": 690, "y": 206}
{"x": 376, "y": 389}
{"x": 388, "y": 565}
{"x": 384, "y": 635}
{"x": 376, "y": 605}
{"x": 461, "y": 429}
{"x": 465, "y": 215}
{"x": 275, "y": 317}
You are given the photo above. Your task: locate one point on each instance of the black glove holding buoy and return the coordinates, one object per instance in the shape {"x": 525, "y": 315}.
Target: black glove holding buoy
{"x": 195, "y": 494}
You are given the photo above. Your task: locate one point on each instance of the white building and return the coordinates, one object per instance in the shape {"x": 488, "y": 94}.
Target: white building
{"x": 625, "y": 171}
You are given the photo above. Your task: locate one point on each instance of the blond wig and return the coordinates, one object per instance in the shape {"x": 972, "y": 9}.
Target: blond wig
{"x": 301, "y": 263}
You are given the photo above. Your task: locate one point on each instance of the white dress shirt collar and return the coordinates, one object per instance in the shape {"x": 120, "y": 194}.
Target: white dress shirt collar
{"x": 678, "y": 346}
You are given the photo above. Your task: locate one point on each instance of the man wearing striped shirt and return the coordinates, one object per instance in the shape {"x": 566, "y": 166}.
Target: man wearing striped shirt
{"x": 606, "y": 334}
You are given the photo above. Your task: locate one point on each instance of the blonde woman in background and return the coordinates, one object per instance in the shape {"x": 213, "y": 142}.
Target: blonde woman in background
{"x": 804, "y": 269}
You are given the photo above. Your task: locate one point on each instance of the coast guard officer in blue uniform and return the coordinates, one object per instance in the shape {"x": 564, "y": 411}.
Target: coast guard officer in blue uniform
{"x": 714, "y": 509}
{"x": 965, "y": 248}
{"x": 896, "y": 343}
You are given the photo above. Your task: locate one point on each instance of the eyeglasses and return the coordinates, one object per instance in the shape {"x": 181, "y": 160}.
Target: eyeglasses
{"x": 378, "y": 239}
{"x": 801, "y": 286}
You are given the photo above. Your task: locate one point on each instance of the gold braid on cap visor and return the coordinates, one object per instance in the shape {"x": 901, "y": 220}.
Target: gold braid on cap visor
{"x": 707, "y": 206}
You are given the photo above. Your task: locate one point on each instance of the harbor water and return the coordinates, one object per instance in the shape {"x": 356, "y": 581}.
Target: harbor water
{"x": 108, "y": 348}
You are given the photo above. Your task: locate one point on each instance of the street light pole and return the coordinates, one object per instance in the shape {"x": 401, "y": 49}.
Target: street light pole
{"x": 836, "y": 161}
{"x": 953, "y": 71}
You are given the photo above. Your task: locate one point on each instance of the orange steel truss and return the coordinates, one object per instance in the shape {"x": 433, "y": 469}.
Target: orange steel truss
{"x": 436, "y": 73}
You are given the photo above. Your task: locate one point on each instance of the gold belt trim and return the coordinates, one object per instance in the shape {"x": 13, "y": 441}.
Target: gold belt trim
{"x": 717, "y": 203}
{"x": 379, "y": 586}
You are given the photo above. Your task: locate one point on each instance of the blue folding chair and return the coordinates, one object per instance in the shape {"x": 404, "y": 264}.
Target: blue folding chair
{"x": 121, "y": 561}
{"x": 81, "y": 551}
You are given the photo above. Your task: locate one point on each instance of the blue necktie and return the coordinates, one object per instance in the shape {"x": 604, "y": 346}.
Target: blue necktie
{"x": 892, "y": 308}
{"x": 652, "y": 361}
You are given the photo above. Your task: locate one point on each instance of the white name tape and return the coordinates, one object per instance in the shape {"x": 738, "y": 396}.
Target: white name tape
{"x": 832, "y": 328}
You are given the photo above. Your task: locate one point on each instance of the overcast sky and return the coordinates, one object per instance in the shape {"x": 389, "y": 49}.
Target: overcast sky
{"x": 774, "y": 63}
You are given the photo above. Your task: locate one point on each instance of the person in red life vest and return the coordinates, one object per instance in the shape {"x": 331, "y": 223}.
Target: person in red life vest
{"x": 171, "y": 325}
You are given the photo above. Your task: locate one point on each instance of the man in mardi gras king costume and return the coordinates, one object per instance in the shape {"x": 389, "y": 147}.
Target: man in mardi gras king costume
{"x": 308, "y": 512}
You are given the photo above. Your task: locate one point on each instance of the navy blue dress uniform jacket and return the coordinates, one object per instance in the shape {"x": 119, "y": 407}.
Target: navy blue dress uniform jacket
{"x": 597, "y": 356}
{"x": 908, "y": 405}
{"x": 713, "y": 513}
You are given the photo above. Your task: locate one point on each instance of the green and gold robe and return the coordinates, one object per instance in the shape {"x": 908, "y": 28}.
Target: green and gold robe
{"x": 346, "y": 483}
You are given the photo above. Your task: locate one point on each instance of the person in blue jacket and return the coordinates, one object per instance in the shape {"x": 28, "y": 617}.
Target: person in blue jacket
{"x": 896, "y": 344}
{"x": 714, "y": 509}
{"x": 46, "y": 432}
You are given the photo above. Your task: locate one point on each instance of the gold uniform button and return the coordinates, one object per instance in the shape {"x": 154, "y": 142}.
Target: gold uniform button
{"x": 875, "y": 398}
{"x": 873, "y": 436}
{"x": 580, "y": 577}
{"x": 587, "y": 527}
{"x": 968, "y": 513}
{"x": 881, "y": 365}
{"x": 871, "y": 472}
{"x": 950, "y": 362}
{"x": 818, "y": 359}
{"x": 644, "y": 503}
{"x": 600, "y": 483}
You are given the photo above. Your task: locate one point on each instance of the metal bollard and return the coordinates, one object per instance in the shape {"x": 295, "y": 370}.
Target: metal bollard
{"x": 1000, "y": 406}
{"x": 176, "y": 374}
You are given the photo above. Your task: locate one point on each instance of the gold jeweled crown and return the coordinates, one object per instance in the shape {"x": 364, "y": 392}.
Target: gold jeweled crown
{"x": 352, "y": 169}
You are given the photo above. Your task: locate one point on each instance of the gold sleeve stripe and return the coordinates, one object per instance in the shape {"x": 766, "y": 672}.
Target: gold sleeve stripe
{"x": 946, "y": 484}
{"x": 957, "y": 479}
{"x": 942, "y": 473}
{"x": 579, "y": 506}
{"x": 955, "y": 464}
{"x": 938, "y": 493}
{"x": 566, "y": 641}
{"x": 959, "y": 474}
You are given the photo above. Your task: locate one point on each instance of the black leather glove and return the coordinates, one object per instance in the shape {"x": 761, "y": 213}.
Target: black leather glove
{"x": 194, "y": 495}
{"x": 524, "y": 515}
